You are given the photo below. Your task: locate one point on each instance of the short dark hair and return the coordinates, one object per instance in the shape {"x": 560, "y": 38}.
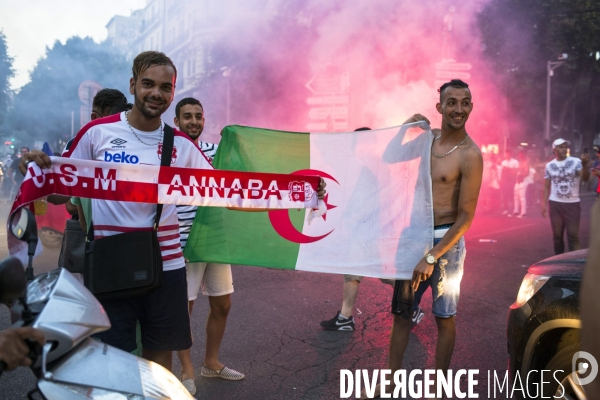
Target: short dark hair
{"x": 120, "y": 108}
{"x": 147, "y": 59}
{"x": 362, "y": 129}
{"x": 455, "y": 83}
{"x": 185, "y": 102}
{"x": 25, "y": 147}
{"x": 107, "y": 99}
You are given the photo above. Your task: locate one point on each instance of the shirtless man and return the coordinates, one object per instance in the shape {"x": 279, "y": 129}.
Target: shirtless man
{"x": 456, "y": 169}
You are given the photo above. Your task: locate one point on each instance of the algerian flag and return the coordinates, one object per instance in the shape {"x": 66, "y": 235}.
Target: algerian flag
{"x": 379, "y": 219}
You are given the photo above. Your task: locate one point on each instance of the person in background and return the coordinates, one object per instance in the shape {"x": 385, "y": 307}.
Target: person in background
{"x": 522, "y": 182}
{"x": 13, "y": 171}
{"x": 561, "y": 192}
{"x": 596, "y": 172}
{"x": 343, "y": 320}
{"x": 106, "y": 102}
{"x": 508, "y": 179}
{"x": 489, "y": 184}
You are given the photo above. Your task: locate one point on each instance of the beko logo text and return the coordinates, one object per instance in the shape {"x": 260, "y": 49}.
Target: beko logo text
{"x": 121, "y": 157}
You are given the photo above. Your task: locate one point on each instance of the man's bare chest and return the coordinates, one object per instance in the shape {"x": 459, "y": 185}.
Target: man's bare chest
{"x": 445, "y": 171}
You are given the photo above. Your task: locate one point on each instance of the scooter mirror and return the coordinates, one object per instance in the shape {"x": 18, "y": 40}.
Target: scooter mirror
{"x": 13, "y": 283}
{"x": 23, "y": 226}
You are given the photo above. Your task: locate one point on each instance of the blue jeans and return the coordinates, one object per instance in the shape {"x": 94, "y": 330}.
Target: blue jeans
{"x": 445, "y": 281}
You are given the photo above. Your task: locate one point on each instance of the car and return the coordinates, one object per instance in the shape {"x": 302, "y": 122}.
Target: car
{"x": 544, "y": 326}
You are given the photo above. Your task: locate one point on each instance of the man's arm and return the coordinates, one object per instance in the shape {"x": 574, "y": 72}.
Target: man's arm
{"x": 585, "y": 171}
{"x": 70, "y": 207}
{"x": 82, "y": 220}
{"x": 545, "y": 196}
{"x": 391, "y": 155}
{"x": 471, "y": 171}
{"x": 58, "y": 199}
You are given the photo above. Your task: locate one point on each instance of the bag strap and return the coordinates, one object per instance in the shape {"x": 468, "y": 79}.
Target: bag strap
{"x": 165, "y": 161}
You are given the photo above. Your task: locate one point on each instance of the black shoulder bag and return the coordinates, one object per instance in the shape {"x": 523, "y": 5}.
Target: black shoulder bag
{"x": 128, "y": 264}
{"x": 72, "y": 251}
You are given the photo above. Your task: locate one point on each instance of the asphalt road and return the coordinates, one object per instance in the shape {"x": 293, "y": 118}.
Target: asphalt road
{"x": 273, "y": 333}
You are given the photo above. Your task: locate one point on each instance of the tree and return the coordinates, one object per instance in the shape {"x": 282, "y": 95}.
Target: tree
{"x": 42, "y": 108}
{"x": 522, "y": 36}
{"x": 6, "y": 72}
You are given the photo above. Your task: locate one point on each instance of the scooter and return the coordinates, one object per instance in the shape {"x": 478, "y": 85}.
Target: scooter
{"x": 72, "y": 365}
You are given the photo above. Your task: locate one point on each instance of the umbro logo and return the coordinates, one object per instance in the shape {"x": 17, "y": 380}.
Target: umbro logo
{"x": 118, "y": 143}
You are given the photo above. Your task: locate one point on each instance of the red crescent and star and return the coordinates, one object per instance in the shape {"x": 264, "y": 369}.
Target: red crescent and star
{"x": 280, "y": 219}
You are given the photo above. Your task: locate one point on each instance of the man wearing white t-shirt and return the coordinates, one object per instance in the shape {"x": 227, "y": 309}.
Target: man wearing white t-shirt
{"x": 136, "y": 137}
{"x": 561, "y": 192}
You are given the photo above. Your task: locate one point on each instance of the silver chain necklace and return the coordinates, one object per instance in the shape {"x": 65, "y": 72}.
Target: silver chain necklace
{"x": 162, "y": 131}
{"x": 454, "y": 148}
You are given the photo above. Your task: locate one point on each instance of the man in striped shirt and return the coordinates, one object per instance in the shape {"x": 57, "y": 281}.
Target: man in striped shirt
{"x": 215, "y": 279}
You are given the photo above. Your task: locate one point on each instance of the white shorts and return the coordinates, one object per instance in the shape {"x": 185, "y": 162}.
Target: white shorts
{"x": 215, "y": 279}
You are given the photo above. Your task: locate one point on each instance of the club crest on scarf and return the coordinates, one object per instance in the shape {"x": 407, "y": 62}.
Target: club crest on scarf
{"x": 300, "y": 191}
{"x": 173, "y": 156}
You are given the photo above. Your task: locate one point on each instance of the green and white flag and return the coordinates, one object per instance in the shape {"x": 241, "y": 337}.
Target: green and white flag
{"x": 379, "y": 219}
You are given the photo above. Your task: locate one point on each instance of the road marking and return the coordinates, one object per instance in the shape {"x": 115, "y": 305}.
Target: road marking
{"x": 492, "y": 233}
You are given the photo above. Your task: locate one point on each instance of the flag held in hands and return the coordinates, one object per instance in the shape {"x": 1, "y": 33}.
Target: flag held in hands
{"x": 379, "y": 219}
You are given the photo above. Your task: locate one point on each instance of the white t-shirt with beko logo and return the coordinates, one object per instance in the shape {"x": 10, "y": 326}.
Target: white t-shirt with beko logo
{"x": 564, "y": 179}
{"x": 110, "y": 139}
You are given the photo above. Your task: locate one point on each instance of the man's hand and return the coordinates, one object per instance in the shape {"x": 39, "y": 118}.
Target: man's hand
{"x": 14, "y": 350}
{"x": 544, "y": 211}
{"x": 321, "y": 192}
{"x": 416, "y": 118}
{"x": 422, "y": 272}
{"x": 39, "y": 157}
{"x": 584, "y": 158}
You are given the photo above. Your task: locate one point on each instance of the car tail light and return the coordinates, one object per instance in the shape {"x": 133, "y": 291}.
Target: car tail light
{"x": 530, "y": 285}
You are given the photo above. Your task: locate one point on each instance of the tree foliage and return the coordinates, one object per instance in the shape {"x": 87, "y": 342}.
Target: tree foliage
{"x": 42, "y": 108}
{"x": 522, "y": 36}
{"x": 6, "y": 72}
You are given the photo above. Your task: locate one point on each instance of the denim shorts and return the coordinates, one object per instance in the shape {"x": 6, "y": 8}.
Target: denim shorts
{"x": 445, "y": 281}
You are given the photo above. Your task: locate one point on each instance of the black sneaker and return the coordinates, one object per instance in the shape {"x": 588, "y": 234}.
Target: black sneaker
{"x": 417, "y": 316}
{"x": 339, "y": 323}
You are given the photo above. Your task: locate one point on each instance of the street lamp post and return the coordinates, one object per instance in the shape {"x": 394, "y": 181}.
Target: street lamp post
{"x": 227, "y": 75}
{"x": 551, "y": 66}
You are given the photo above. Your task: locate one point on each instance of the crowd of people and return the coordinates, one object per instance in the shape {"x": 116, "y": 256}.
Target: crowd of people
{"x": 513, "y": 185}
{"x": 458, "y": 172}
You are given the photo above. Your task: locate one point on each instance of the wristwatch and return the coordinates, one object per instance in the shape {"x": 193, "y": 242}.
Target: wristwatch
{"x": 430, "y": 259}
